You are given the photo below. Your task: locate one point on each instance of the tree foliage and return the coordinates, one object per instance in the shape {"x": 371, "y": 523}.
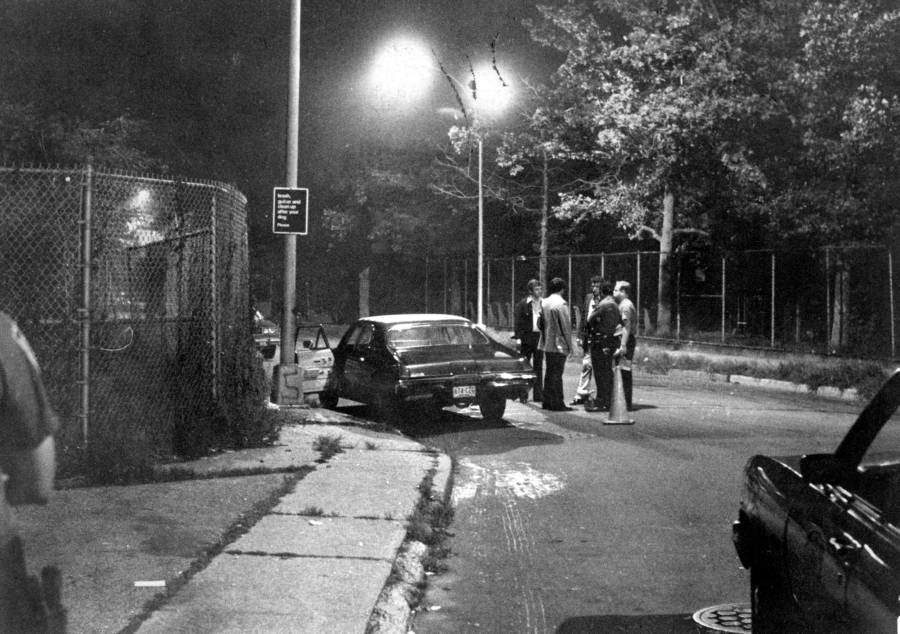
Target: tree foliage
{"x": 764, "y": 121}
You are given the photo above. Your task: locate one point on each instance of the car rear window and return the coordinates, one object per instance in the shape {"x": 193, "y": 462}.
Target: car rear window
{"x": 426, "y": 335}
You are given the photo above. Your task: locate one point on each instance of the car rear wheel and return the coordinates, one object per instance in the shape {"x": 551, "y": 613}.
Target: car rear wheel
{"x": 492, "y": 406}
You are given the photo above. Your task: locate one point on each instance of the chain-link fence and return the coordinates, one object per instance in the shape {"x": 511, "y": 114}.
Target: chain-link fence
{"x": 823, "y": 301}
{"x": 134, "y": 294}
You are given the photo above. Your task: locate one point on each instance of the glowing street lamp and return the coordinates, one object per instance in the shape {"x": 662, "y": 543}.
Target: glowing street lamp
{"x": 405, "y": 69}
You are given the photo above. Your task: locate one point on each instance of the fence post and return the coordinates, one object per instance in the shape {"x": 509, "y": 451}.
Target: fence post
{"x": 465, "y": 306}
{"x": 85, "y": 311}
{"x": 772, "y": 319}
{"x": 891, "y": 296}
{"x": 723, "y": 299}
{"x": 678, "y": 299}
{"x": 512, "y": 289}
{"x": 487, "y": 293}
{"x": 827, "y": 300}
{"x": 637, "y": 296}
{"x": 213, "y": 304}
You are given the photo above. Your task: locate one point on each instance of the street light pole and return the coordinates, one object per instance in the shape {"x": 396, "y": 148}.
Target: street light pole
{"x": 480, "y": 232}
{"x": 287, "y": 380}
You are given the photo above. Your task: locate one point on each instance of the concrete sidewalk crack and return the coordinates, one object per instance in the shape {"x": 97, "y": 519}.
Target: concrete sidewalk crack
{"x": 286, "y": 555}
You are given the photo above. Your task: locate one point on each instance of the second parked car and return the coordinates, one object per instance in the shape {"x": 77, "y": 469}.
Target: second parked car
{"x": 437, "y": 360}
{"x": 820, "y": 533}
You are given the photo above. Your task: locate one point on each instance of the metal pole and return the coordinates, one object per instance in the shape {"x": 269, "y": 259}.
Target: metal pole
{"x": 465, "y": 307}
{"x": 637, "y": 296}
{"x": 426, "y": 283}
{"x": 293, "y": 142}
{"x": 213, "y": 307}
{"x": 603, "y": 265}
{"x": 827, "y": 300}
{"x": 446, "y": 285}
{"x": 87, "y": 194}
{"x": 480, "y": 230}
{"x": 487, "y": 284}
{"x": 891, "y": 296}
{"x": 570, "y": 280}
{"x": 772, "y": 320}
{"x": 512, "y": 290}
{"x": 723, "y": 298}
{"x": 678, "y": 302}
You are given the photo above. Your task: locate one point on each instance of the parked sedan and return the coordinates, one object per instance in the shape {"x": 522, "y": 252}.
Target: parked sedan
{"x": 820, "y": 533}
{"x": 437, "y": 360}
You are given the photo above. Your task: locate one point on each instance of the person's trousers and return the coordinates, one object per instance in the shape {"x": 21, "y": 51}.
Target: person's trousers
{"x": 555, "y": 363}
{"x": 627, "y": 383}
{"x": 535, "y": 357}
{"x": 584, "y": 382}
{"x": 602, "y": 360}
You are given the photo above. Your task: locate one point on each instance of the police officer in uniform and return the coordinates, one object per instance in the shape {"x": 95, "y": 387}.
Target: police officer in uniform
{"x": 602, "y": 326}
{"x": 27, "y": 469}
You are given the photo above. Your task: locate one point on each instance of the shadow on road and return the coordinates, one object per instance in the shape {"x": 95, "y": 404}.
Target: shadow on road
{"x": 643, "y": 624}
{"x": 461, "y": 431}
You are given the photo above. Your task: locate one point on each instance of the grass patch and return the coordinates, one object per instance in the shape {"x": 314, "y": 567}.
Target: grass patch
{"x": 328, "y": 447}
{"x": 866, "y": 377}
{"x": 243, "y": 524}
{"x": 313, "y": 511}
{"x": 371, "y": 446}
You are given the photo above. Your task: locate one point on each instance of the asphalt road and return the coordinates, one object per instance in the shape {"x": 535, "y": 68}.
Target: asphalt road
{"x": 565, "y": 524}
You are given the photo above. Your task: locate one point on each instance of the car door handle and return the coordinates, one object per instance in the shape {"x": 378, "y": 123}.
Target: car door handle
{"x": 844, "y": 546}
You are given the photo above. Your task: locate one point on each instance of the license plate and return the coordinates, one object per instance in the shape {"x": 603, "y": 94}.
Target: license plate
{"x": 463, "y": 391}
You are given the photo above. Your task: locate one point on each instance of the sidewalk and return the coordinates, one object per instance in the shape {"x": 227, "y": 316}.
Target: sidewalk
{"x": 298, "y": 546}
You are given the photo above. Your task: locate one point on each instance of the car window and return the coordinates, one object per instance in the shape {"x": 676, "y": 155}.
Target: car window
{"x": 404, "y": 336}
{"x": 365, "y": 335}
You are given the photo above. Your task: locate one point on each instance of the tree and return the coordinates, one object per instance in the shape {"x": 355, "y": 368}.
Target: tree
{"x": 382, "y": 205}
{"x": 27, "y": 136}
{"x": 658, "y": 93}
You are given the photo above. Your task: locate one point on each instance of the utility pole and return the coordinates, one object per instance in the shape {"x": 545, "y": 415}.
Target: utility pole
{"x": 287, "y": 381}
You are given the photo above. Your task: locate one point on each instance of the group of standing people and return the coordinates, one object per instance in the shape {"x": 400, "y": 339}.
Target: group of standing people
{"x": 544, "y": 328}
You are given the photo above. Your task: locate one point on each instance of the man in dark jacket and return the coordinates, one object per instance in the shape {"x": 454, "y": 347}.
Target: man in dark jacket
{"x": 529, "y": 334}
{"x": 603, "y": 324}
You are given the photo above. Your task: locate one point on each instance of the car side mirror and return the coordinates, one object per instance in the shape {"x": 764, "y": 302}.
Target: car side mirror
{"x": 307, "y": 343}
{"x": 823, "y": 468}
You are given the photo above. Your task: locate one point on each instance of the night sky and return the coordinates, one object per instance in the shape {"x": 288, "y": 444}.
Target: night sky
{"x": 216, "y": 70}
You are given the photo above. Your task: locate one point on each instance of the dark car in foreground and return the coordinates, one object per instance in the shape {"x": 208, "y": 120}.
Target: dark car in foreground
{"x": 391, "y": 361}
{"x": 820, "y": 533}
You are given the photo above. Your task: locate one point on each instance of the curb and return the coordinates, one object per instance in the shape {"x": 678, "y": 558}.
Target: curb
{"x": 393, "y": 610}
{"x": 776, "y": 385}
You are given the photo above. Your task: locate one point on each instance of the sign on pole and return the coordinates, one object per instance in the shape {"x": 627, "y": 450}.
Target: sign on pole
{"x": 290, "y": 210}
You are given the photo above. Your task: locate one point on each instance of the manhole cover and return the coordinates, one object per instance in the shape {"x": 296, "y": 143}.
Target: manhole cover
{"x": 727, "y": 617}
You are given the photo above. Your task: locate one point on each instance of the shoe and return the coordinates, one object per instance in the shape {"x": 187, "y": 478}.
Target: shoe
{"x": 523, "y": 399}
{"x": 579, "y": 400}
{"x": 591, "y": 407}
{"x": 561, "y": 408}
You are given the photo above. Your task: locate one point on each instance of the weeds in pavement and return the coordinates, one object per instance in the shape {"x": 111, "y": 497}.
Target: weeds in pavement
{"x": 371, "y": 446}
{"x": 327, "y": 446}
{"x": 429, "y": 523}
{"x": 313, "y": 511}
